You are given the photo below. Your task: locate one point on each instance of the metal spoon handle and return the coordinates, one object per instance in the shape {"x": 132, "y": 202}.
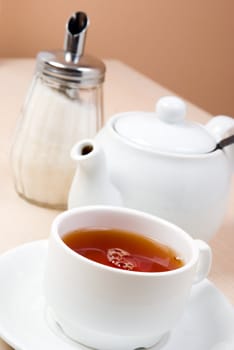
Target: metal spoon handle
{"x": 225, "y": 142}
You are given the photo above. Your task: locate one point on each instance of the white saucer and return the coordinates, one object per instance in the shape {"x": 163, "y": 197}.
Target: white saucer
{"x": 207, "y": 324}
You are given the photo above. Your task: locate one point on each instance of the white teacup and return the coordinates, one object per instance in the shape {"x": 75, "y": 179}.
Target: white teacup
{"x": 107, "y": 308}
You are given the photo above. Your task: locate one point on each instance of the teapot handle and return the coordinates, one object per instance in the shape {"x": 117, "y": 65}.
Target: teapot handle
{"x": 221, "y": 127}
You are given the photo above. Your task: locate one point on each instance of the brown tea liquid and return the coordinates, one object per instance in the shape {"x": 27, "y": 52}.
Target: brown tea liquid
{"x": 123, "y": 250}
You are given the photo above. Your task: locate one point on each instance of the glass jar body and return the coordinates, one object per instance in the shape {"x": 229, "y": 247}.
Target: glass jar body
{"x": 56, "y": 114}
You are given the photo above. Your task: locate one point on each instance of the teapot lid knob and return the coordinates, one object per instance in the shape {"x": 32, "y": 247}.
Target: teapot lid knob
{"x": 171, "y": 109}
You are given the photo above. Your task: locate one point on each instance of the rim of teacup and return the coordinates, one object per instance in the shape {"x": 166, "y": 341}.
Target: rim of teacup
{"x": 126, "y": 211}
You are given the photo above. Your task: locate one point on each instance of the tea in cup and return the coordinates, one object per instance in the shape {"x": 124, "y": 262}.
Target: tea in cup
{"x": 122, "y": 249}
{"x": 118, "y": 278}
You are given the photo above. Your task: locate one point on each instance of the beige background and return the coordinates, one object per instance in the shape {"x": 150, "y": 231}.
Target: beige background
{"x": 185, "y": 45}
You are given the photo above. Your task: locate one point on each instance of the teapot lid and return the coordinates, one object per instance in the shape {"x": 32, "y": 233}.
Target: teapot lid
{"x": 167, "y": 130}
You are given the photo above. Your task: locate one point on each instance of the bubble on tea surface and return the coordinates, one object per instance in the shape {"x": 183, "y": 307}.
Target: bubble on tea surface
{"x": 121, "y": 259}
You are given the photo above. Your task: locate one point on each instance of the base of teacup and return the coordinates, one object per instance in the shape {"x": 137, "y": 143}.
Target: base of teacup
{"x": 114, "y": 343}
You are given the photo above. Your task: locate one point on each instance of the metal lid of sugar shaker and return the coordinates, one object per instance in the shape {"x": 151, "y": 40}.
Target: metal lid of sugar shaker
{"x": 71, "y": 64}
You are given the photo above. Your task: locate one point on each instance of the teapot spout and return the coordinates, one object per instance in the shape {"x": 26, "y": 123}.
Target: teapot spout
{"x": 91, "y": 184}
{"x": 222, "y": 129}
{"x": 89, "y": 156}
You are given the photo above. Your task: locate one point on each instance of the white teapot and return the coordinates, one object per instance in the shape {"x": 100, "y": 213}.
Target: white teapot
{"x": 159, "y": 163}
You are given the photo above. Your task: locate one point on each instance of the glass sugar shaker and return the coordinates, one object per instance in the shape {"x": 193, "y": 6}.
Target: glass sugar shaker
{"x": 63, "y": 105}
